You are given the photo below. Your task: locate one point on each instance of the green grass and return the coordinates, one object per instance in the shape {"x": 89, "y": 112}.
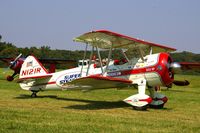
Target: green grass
{"x": 97, "y": 111}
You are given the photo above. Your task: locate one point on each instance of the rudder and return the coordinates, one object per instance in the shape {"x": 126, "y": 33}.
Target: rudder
{"x": 32, "y": 68}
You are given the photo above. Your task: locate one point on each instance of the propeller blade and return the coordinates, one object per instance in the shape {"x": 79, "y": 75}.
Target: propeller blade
{"x": 181, "y": 83}
{"x": 13, "y": 62}
{"x": 176, "y": 67}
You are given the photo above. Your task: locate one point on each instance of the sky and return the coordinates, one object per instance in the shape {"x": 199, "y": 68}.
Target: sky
{"x": 54, "y": 23}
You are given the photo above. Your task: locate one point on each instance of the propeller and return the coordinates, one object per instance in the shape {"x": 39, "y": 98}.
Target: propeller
{"x": 176, "y": 68}
{"x": 12, "y": 63}
{"x": 14, "y": 66}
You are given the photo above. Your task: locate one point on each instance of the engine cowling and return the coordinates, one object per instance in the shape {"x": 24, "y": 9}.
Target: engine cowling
{"x": 164, "y": 69}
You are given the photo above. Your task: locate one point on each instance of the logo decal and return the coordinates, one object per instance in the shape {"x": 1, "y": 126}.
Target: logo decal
{"x": 69, "y": 78}
{"x": 29, "y": 64}
{"x": 113, "y": 74}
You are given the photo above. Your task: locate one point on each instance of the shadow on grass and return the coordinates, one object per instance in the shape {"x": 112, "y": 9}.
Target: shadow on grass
{"x": 25, "y": 96}
{"x": 97, "y": 105}
{"x": 90, "y": 104}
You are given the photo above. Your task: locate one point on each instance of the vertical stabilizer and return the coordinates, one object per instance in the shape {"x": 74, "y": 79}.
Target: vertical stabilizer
{"x": 32, "y": 68}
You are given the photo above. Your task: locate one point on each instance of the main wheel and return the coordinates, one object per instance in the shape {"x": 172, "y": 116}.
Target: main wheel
{"x": 161, "y": 106}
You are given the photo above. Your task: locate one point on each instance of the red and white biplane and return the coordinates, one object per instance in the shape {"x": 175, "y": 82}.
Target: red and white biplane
{"x": 144, "y": 65}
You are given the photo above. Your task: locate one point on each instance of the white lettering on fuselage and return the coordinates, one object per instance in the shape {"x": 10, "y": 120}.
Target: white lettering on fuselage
{"x": 69, "y": 78}
{"x": 150, "y": 69}
{"x": 113, "y": 74}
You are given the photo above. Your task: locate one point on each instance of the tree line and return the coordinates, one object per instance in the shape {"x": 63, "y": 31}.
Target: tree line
{"x": 10, "y": 50}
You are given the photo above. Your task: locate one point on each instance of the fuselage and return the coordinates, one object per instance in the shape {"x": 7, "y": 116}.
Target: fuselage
{"x": 154, "y": 68}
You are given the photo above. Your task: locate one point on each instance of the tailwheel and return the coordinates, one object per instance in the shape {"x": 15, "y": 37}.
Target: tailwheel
{"x": 34, "y": 94}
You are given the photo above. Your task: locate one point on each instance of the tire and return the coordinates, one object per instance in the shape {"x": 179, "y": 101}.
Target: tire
{"x": 161, "y": 106}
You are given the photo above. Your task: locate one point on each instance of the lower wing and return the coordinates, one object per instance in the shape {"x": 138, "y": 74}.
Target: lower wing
{"x": 98, "y": 82}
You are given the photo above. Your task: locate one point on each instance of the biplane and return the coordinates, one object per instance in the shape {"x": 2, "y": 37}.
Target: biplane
{"x": 142, "y": 65}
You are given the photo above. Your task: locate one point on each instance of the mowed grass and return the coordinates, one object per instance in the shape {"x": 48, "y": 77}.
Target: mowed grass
{"x": 97, "y": 111}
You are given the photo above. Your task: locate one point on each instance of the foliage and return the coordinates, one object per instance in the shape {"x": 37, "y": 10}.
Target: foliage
{"x": 185, "y": 57}
{"x": 10, "y": 50}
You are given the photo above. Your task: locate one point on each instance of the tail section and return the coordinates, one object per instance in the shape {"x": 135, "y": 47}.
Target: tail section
{"x": 32, "y": 68}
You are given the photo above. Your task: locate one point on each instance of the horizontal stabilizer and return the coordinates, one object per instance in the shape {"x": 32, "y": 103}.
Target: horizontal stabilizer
{"x": 34, "y": 78}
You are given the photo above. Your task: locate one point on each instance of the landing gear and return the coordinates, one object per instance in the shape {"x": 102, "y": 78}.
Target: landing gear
{"x": 34, "y": 94}
{"x": 158, "y": 99}
{"x": 139, "y": 101}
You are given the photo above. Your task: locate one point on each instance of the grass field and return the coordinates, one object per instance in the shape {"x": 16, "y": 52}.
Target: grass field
{"x": 97, "y": 111}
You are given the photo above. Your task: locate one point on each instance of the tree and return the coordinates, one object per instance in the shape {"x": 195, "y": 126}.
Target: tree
{"x": 45, "y": 51}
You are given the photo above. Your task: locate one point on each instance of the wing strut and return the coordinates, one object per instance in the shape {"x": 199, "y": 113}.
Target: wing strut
{"x": 141, "y": 54}
{"x": 84, "y": 56}
{"x": 90, "y": 62}
{"x": 100, "y": 59}
{"x": 109, "y": 56}
{"x": 151, "y": 51}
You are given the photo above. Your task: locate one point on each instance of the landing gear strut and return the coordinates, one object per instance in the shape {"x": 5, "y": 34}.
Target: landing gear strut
{"x": 34, "y": 94}
{"x": 139, "y": 101}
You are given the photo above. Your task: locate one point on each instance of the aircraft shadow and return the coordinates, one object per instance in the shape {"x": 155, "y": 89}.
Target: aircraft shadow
{"x": 97, "y": 105}
{"x": 90, "y": 104}
{"x": 26, "y": 96}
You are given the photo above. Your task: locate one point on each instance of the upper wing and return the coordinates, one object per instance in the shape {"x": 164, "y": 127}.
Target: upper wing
{"x": 98, "y": 82}
{"x": 105, "y": 39}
